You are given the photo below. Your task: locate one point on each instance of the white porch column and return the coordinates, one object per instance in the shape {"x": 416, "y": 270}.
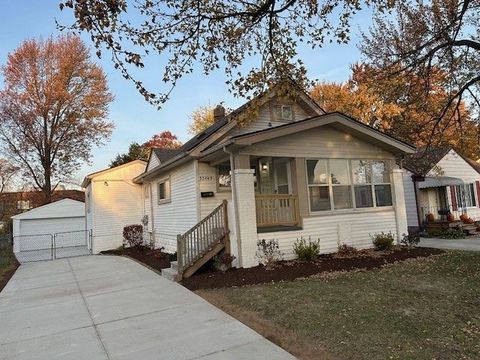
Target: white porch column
{"x": 243, "y": 192}
{"x": 399, "y": 203}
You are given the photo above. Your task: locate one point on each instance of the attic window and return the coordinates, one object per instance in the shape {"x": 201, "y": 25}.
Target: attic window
{"x": 283, "y": 112}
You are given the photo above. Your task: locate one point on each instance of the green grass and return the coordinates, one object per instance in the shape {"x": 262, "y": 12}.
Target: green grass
{"x": 419, "y": 309}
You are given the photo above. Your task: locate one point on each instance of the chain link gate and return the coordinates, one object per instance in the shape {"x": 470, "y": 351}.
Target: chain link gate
{"x": 52, "y": 246}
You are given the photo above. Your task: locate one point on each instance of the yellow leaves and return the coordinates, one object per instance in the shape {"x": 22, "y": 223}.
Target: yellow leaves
{"x": 201, "y": 119}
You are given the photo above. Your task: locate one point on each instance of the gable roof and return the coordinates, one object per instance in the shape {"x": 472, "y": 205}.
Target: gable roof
{"x": 86, "y": 181}
{"x": 165, "y": 154}
{"x": 57, "y": 209}
{"x": 425, "y": 159}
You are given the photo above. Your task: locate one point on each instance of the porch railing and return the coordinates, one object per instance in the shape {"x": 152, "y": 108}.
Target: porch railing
{"x": 201, "y": 238}
{"x": 277, "y": 210}
{"x": 440, "y": 212}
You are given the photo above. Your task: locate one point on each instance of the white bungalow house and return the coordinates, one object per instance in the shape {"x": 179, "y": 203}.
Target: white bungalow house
{"x": 112, "y": 201}
{"x": 293, "y": 171}
{"x": 439, "y": 182}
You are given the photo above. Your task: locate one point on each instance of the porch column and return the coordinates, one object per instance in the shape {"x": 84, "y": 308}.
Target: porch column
{"x": 243, "y": 191}
{"x": 399, "y": 203}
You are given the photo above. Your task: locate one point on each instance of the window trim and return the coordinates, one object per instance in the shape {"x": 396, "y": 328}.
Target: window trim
{"x": 458, "y": 196}
{"x": 217, "y": 181}
{"x": 354, "y": 208}
{"x": 168, "y": 192}
{"x": 281, "y": 106}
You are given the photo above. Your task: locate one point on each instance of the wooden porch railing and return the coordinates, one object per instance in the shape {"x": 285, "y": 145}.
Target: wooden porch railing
{"x": 202, "y": 240}
{"x": 277, "y": 210}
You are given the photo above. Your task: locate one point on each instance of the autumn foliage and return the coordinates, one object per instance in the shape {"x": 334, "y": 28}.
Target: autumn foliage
{"x": 53, "y": 107}
{"x": 163, "y": 140}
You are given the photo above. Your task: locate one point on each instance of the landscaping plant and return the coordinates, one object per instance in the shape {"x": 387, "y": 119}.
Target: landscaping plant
{"x": 446, "y": 234}
{"x": 268, "y": 253}
{"x": 306, "y": 251}
{"x": 223, "y": 262}
{"x": 133, "y": 235}
{"x": 383, "y": 241}
{"x": 410, "y": 239}
{"x": 345, "y": 250}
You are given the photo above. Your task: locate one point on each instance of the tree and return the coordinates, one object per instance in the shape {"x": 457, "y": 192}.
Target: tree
{"x": 52, "y": 109}
{"x": 163, "y": 140}
{"x": 425, "y": 38}
{"x": 399, "y": 109}
{"x": 135, "y": 152}
{"x": 8, "y": 172}
{"x": 201, "y": 119}
{"x": 215, "y": 34}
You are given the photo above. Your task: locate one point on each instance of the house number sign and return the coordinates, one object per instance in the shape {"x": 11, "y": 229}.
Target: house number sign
{"x": 204, "y": 178}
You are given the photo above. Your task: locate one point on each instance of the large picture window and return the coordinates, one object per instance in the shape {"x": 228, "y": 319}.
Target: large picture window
{"x": 335, "y": 184}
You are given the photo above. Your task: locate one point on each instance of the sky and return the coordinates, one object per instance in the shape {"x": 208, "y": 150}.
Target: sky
{"x": 134, "y": 118}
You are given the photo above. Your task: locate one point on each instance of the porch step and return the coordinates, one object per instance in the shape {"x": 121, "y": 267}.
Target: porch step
{"x": 174, "y": 265}
{"x": 170, "y": 274}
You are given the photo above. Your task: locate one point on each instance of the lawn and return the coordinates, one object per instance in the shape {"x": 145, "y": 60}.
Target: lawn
{"x": 418, "y": 309}
{"x": 8, "y": 262}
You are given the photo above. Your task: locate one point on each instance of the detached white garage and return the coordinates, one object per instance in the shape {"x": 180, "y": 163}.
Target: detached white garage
{"x": 51, "y": 231}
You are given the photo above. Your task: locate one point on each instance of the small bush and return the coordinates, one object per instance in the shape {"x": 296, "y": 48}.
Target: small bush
{"x": 410, "y": 239}
{"x": 223, "y": 262}
{"x": 268, "y": 253}
{"x": 306, "y": 251}
{"x": 383, "y": 241}
{"x": 133, "y": 235}
{"x": 345, "y": 250}
{"x": 445, "y": 234}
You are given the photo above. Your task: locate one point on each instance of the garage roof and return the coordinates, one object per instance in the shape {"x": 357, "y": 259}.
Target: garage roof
{"x": 64, "y": 208}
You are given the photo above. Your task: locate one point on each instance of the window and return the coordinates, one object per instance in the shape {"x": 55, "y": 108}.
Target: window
{"x": 283, "y": 112}
{"x": 466, "y": 195}
{"x": 345, "y": 184}
{"x": 224, "y": 179}
{"x": 23, "y": 204}
{"x": 164, "y": 191}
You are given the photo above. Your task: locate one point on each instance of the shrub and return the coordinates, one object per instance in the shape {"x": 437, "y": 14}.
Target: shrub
{"x": 410, "y": 239}
{"x": 223, "y": 262}
{"x": 133, "y": 235}
{"x": 383, "y": 241}
{"x": 306, "y": 251}
{"x": 346, "y": 250}
{"x": 268, "y": 253}
{"x": 446, "y": 234}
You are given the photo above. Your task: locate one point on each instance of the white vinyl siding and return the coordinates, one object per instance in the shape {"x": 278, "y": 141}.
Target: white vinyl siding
{"x": 153, "y": 162}
{"x": 180, "y": 213}
{"x": 332, "y": 230}
{"x": 116, "y": 202}
{"x": 207, "y": 204}
{"x": 324, "y": 142}
{"x": 410, "y": 202}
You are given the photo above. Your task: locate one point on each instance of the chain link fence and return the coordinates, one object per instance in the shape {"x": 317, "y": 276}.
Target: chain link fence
{"x": 40, "y": 247}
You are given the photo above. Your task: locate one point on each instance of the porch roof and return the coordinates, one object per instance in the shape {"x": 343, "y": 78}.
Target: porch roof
{"x": 439, "y": 181}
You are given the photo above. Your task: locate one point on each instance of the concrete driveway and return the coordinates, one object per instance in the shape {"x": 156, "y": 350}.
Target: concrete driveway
{"x": 472, "y": 244}
{"x": 106, "y": 307}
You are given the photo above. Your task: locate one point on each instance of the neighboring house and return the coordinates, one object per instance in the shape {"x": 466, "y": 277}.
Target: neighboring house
{"x": 293, "y": 171}
{"x": 13, "y": 203}
{"x": 440, "y": 182}
{"x": 112, "y": 201}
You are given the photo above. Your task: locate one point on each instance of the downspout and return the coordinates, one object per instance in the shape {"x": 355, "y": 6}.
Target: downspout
{"x": 235, "y": 206}
{"x": 151, "y": 214}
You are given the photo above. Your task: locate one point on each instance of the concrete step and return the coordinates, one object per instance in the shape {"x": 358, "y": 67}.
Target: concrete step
{"x": 469, "y": 227}
{"x": 170, "y": 274}
{"x": 174, "y": 265}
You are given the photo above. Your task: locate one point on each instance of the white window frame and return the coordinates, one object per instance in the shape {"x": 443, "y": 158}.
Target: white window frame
{"x": 223, "y": 188}
{"x": 459, "y": 194}
{"x": 281, "y": 107}
{"x": 352, "y": 187}
{"x": 168, "y": 191}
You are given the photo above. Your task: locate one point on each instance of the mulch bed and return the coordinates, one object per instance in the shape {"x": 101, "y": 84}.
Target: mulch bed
{"x": 291, "y": 270}
{"x": 155, "y": 259}
{"x": 7, "y": 275}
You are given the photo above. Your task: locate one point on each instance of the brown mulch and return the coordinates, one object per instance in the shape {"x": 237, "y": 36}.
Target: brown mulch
{"x": 291, "y": 270}
{"x": 7, "y": 275}
{"x": 155, "y": 259}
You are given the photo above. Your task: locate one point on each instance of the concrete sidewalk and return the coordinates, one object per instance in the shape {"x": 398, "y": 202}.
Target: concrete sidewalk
{"x": 471, "y": 244}
{"x": 106, "y": 307}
